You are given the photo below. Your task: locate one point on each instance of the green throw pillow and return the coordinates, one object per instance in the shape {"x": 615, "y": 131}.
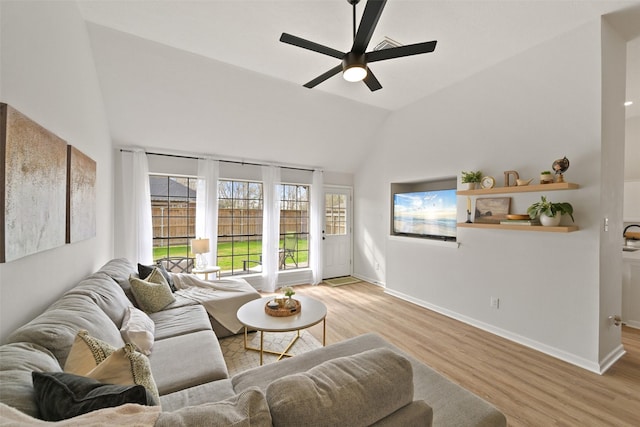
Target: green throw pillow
{"x": 61, "y": 395}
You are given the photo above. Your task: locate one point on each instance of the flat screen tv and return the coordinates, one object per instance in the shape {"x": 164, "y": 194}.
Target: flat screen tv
{"x": 429, "y": 214}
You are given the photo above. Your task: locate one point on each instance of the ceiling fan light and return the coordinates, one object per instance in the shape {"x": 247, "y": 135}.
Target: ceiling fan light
{"x": 354, "y": 67}
{"x": 354, "y": 73}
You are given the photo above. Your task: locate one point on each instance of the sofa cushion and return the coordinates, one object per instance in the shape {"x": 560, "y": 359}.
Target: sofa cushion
{"x": 106, "y": 294}
{"x": 56, "y": 328}
{"x": 213, "y": 391}
{"x": 137, "y": 329}
{"x": 415, "y": 414}
{"x": 86, "y": 353}
{"x": 247, "y": 409}
{"x": 152, "y": 294}
{"x": 126, "y": 366}
{"x": 204, "y": 356}
{"x": 61, "y": 395}
{"x": 145, "y": 271}
{"x": 17, "y": 362}
{"x": 120, "y": 270}
{"x": 179, "y": 321}
{"x": 355, "y": 390}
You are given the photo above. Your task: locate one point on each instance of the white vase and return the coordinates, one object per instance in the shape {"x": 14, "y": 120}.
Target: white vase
{"x": 550, "y": 221}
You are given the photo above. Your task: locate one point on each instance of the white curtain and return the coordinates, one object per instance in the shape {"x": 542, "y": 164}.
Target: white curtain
{"x": 316, "y": 226}
{"x": 137, "y": 228}
{"x": 270, "y": 227}
{"x": 207, "y": 206}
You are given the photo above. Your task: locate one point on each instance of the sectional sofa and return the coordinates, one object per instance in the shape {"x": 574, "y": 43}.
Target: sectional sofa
{"x": 360, "y": 381}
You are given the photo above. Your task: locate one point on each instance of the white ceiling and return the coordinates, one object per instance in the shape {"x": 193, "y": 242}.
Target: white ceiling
{"x": 472, "y": 35}
{"x": 211, "y": 76}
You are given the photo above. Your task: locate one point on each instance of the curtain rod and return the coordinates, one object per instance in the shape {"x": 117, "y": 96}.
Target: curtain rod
{"x": 221, "y": 160}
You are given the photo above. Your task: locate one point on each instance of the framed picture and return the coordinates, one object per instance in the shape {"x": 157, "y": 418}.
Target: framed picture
{"x": 491, "y": 210}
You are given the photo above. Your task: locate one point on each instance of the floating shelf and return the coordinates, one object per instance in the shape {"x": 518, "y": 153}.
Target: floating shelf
{"x": 539, "y": 228}
{"x": 520, "y": 189}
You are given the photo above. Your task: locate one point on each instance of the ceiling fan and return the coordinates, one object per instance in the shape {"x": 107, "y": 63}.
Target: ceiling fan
{"x": 354, "y": 63}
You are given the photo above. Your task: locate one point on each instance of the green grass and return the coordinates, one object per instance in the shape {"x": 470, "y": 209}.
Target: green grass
{"x": 232, "y": 254}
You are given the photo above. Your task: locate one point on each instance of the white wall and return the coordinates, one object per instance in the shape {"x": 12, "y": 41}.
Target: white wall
{"x": 48, "y": 74}
{"x": 614, "y": 52}
{"x": 521, "y": 115}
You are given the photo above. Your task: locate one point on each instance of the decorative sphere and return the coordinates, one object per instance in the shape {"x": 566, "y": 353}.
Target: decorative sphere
{"x": 560, "y": 165}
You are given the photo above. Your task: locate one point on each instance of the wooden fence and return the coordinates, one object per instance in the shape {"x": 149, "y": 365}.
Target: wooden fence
{"x": 179, "y": 221}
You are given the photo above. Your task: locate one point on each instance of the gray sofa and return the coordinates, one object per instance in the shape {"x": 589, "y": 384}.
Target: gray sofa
{"x": 361, "y": 381}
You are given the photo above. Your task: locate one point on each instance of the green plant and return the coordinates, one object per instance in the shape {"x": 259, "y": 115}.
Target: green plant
{"x": 545, "y": 173}
{"x": 549, "y": 209}
{"x": 288, "y": 291}
{"x": 468, "y": 177}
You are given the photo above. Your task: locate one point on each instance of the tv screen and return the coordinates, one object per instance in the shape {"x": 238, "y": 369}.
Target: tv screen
{"x": 429, "y": 214}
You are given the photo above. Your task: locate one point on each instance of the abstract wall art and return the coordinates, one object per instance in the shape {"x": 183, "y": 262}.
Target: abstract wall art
{"x": 81, "y": 196}
{"x": 47, "y": 193}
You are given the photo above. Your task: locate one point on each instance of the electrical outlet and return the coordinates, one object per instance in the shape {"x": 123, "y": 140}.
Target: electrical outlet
{"x": 495, "y": 302}
{"x": 377, "y": 266}
{"x": 606, "y": 224}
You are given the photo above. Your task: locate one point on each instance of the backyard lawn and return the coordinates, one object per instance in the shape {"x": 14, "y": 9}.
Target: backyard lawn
{"x": 233, "y": 253}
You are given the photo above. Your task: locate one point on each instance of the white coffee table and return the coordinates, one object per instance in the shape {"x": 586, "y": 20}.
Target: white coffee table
{"x": 253, "y": 316}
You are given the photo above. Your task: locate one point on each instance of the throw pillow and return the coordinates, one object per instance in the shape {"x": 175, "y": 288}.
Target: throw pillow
{"x": 137, "y": 329}
{"x": 352, "y": 390}
{"x": 145, "y": 271}
{"x": 86, "y": 353}
{"x": 153, "y": 294}
{"x": 126, "y": 366}
{"x": 61, "y": 395}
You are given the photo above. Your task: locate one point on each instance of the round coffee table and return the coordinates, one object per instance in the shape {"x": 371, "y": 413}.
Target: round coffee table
{"x": 253, "y": 316}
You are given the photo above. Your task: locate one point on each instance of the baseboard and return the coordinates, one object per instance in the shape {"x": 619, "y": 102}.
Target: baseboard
{"x": 527, "y": 342}
{"x": 611, "y": 358}
{"x": 632, "y": 323}
{"x": 369, "y": 280}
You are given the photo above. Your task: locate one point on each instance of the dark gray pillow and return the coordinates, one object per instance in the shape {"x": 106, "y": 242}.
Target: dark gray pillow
{"x": 60, "y": 395}
{"x": 145, "y": 270}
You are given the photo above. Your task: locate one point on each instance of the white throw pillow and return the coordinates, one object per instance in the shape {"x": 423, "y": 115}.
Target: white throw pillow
{"x": 137, "y": 329}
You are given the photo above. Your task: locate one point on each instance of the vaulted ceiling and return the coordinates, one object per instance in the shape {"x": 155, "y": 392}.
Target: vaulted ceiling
{"x": 174, "y": 72}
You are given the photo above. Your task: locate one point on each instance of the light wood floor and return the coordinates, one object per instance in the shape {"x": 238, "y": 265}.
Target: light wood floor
{"x": 529, "y": 387}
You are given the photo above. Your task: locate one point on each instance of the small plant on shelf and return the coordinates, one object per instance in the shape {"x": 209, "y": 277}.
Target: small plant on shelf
{"x": 548, "y": 212}
{"x": 471, "y": 177}
{"x": 546, "y": 177}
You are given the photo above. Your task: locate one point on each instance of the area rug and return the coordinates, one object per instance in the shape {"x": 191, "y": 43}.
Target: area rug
{"x": 238, "y": 359}
{"x": 340, "y": 281}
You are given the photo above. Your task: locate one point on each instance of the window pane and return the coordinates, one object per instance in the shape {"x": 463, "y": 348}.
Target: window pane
{"x": 239, "y": 226}
{"x": 294, "y": 226}
{"x": 173, "y": 202}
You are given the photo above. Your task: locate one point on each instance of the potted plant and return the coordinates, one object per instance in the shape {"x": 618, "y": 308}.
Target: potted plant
{"x": 471, "y": 178}
{"x": 546, "y": 177}
{"x": 548, "y": 212}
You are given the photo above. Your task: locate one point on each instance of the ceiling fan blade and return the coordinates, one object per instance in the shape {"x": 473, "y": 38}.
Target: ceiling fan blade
{"x": 397, "y": 52}
{"x": 332, "y": 72}
{"x": 306, "y": 44}
{"x": 372, "y": 83}
{"x": 370, "y": 17}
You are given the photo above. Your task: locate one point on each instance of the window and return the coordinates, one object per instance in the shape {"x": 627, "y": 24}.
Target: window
{"x": 173, "y": 210}
{"x": 240, "y": 207}
{"x": 240, "y": 214}
{"x": 335, "y": 214}
{"x": 294, "y": 226}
